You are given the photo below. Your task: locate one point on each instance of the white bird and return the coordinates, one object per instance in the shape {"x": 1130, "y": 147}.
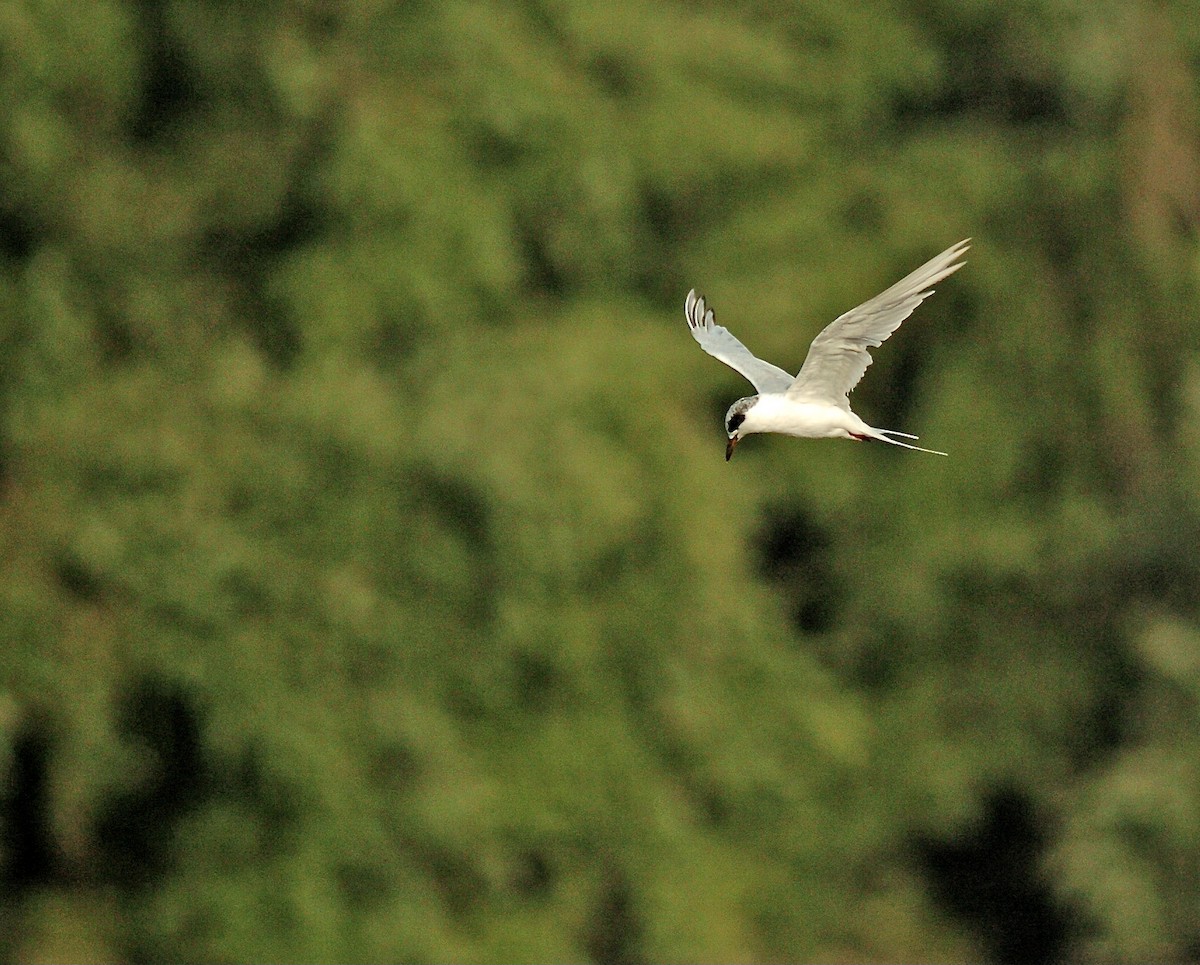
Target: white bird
{"x": 815, "y": 404}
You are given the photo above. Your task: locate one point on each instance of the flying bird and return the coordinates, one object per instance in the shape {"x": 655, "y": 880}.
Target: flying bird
{"x": 815, "y": 404}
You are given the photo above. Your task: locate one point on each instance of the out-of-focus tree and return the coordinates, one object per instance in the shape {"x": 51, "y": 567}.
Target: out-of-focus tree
{"x": 372, "y": 584}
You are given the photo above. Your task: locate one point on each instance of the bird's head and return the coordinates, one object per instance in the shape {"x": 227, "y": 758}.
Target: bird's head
{"x": 733, "y": 422}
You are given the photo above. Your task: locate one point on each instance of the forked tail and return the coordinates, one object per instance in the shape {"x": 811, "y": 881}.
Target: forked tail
{"x": 883, "y": 434}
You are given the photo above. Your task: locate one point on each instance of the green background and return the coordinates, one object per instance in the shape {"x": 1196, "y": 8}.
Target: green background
{"x": 372, "y": 583}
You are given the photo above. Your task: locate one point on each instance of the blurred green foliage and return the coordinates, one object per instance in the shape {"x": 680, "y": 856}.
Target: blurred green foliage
{"x": 373, "y": 586}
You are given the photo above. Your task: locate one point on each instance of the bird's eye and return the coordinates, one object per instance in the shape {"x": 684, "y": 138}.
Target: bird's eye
{"x": 735, "y": 420}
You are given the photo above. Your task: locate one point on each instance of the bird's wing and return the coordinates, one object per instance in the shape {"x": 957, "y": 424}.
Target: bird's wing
{"x": 838, "y": 356}
{"x": 720, "y": 344}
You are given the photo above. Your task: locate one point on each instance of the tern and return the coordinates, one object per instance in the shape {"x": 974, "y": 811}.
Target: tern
{"x": 815, "y": 404}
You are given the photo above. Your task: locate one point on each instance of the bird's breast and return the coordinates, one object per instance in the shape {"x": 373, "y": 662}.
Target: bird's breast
{"x": 810, "y": 420}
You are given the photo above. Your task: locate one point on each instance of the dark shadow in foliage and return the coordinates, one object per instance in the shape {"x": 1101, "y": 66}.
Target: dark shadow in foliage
{"x": 18, "y": 240}
{"x": 662, "y": 214}
{"x": 1040, "y": 473}
{"x": 865, "y": 211}
{"x": 536, "y": 681}
{"x": 614, "y": 935}
{"x": 548, "y": 23}
{"x": 534, "y": 875}
{"x": 465, "y": 513}
{"x": 364, "y": 888}
{"x": 247, "y": 255}
{"x": 1160, "y": 564}
{"x": 253, "y": 781}
{"x": 134, "y": 831}
{"x": 542, "y": 275}
{"x": 27, "y": 847}
{"x": 77, "y": 579}
{"x": 614, "y": 75}
{"x": 169, "y": 93}
{"x": 324, "y": 21}
{"x": 18, "y": 234}
{"x": 457, "y": 503}
{"x": 114, "y": 337}
{"x": 492, "y": 149}
{"x": 457, "y": 880}
{"x": 980, "y": 76}
{"x": 795, "y": 553}
{"x": 658, "y": 276}
{"x": 990, "y": 880}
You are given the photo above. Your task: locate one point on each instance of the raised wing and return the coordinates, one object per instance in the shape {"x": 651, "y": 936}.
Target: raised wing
{"x": 838, "y": 356}
{"x": 720, "y": 344}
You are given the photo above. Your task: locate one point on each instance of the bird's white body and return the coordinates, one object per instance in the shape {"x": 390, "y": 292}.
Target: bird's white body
{"x": 775, "y": 412}
{"x": 815, "y": 404}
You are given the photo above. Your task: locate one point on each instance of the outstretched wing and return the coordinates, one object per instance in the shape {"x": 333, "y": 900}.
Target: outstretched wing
{"x": 838, "y": 356}
{"x": 720, "y": 344}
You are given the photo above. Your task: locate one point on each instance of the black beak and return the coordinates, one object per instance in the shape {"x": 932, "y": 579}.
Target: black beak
{"x": 733, "y": 441}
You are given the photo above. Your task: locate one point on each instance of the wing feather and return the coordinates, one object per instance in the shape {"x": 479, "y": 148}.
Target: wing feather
{"x": 717, "y": 341}
{"x": 838, "y": 356}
